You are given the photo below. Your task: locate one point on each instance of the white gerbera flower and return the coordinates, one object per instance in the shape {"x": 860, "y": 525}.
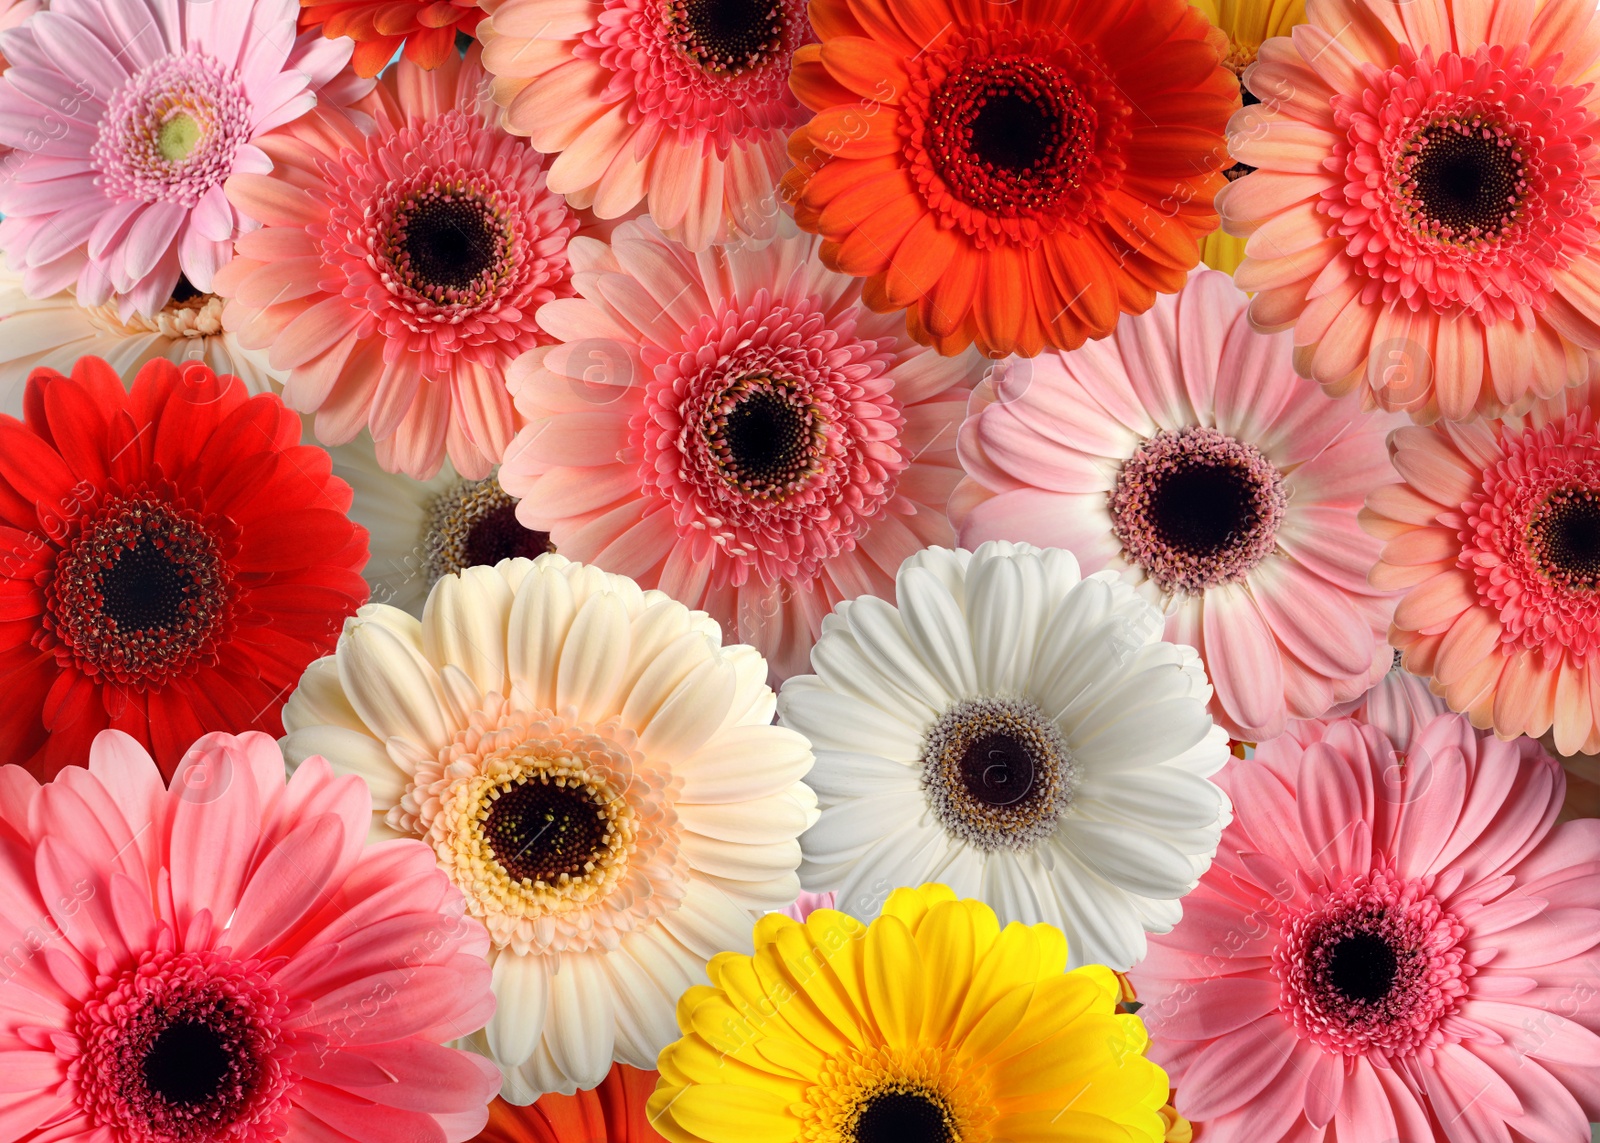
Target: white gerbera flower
{"x": 422, "y": 530}
{"x": 600, "y": 776}
{"x": 1016, "y": 732}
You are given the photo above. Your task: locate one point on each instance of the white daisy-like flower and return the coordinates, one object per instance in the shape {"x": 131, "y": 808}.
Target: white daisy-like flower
{"x": 422, "y": 530}
{"x": 56, "y": 331}
{"x": 1020, "y": 733}
{"x": 595, "y": 770}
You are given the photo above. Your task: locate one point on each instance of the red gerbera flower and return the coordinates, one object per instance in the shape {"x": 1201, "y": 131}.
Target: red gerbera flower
{"x": 427, "y": 28}
{"x": 171, "y": 559}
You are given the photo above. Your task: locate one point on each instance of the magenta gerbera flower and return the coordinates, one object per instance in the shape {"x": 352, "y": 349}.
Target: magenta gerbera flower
{"x": 227, "y": 961}
{"x": 736, "y": 428}
{"x": 1386, "y": 952}
{"x": 126, "y": 116}
{"x": 400, "y": 267}
{"x": 1183, "y": 452}
{"x": 1423, "y": 207}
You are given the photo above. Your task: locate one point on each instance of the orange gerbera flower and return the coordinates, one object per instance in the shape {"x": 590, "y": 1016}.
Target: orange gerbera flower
{"x": 611, "y": 1113}
{"x": 427, "y": 28}
{"x": 1014, "y": 175}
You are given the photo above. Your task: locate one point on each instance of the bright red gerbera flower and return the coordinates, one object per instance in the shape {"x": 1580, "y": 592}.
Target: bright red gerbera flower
{"x": 171, "y": 559}
{"x": 427, "y": 28}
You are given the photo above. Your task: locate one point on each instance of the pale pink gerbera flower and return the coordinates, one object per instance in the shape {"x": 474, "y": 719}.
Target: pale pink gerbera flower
{"x": 125, "y": 117}
{"x": 1386, "y": 952}
{"x": 227, "y": 961}
{"x": 1495, "y": 539}
{"x": 1423, "y": 211}
{"x": 737, "y": 429}
{"x": 401, "y": 263}
{"x": 12, "y": 13}
{"x": 684, "y": 105}
{"x": 1184, "y": 452}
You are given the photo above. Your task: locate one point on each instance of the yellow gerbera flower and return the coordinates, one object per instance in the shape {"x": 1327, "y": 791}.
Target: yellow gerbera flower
{"x": 1247, "y": 24}
{"x": 931, "y": 1023}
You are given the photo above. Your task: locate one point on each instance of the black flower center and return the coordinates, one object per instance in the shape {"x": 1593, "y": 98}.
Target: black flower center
{"x": 449, "y": 243}
{"x": 497, "y": 536}
{"x": 903, "y": 1116}
{"x": 184, "y": 291}
{"x": 997, "y": 769}
{"x": 728, "y": 35}
{"x": 761, "y": 440}
{"x": 1362, "y": 967}
{"x": 187, "y": 1062}
{"x": 1564, "y": 537}
{"x": 544, "y": 832}
{"x": 1202, "y": 509}
{"x": 145, "y": 588}
{"x": 475, "y": 523}
{"x": 1014, "y": 131}
{"x": 1240, "y": 170}
{"x": 1465, "y": 183}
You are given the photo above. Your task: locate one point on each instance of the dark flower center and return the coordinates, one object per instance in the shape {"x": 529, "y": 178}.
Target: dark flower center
{"x": 1464, "y": 184}
{"x": 546, "y": 832}
{"x": 445, "y": 241}
{"x": 497, "y": 536}
{"x": 903, "y": 1116}
{"x": 1362, "y": 966}
{"x": 762, "y": 439}
{"x": 184, "y": 291}
{"x": 997, "y": 769}
{"x": 187, "y": 1062}
{"x": 1240, "y": 170}
{"x": 475, "y": 523}
{"x": 728, "y": 35}
{"x": 1202, "y": 508}
{"x": 1564, "y": 538}
{"x": 145, "y": 587}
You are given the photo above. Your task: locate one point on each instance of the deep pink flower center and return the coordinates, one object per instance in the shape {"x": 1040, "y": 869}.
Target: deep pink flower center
{"x": 1374, "y": 965}
{"x": 143, "y": 589}
{"x": 171, "y": 132}
{"x": 1197, "y": 509}
{"x": 186, "y": 1046}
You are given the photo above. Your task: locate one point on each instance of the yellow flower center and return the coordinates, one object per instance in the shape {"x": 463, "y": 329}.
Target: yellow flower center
{"x": 887, "y": 1095}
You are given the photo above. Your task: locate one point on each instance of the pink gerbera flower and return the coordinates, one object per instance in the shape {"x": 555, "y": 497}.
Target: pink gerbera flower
{"x": 1184, "y": 452}
{"x": 684, "y": 105}
{"x": 12, "y": 13}
{"x": 1386, "y": 952}
{"x": 401, "y": 264}
{"x": 227, "y": 961}
{"x": 738, "y": 429}
{"x": 1424, "y": 206}
{"x": 1495, "y": 539}
{"x": 125, "y": 117}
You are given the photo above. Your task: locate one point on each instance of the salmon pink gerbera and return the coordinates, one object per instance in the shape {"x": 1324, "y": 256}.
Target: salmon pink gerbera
{"x": 737, "y": 429}
{"x": 227, "y": 961}
{"x": 426, "y": 28}
{"x": 404, "y": 255}
{"x": 1423, "y": 211}
{"x": 126, "y": 116}
{"x": 1014, "y": 176}
{"x": 1394, "y": 943}
{"x": 683, "y": 106}
{"x": 1495, "y": 540}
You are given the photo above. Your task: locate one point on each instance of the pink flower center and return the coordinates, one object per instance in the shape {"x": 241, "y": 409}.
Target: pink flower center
{"x": 186, "y": 1046}
{"x": 1467, "y": 180}
{"x": 1197, "y": 509}
{"x": 1375, "y": 965}
{"x": 1004, "y": 128}
{"x": 774, "y": 436}
{"x": 716, "y": 70}
{"x": 143, "y": 592}
{"x": 1532, "y": 538}
{"x": 171, "y": 132}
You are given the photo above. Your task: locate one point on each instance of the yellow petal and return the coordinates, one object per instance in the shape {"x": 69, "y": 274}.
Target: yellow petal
{"x": 894, "y": 978}
{"x": 722, "y": 1113}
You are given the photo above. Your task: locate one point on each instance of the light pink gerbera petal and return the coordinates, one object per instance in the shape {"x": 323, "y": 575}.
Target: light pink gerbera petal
{"x": 1185, "y": 453}
{"x": 225, "y": 961}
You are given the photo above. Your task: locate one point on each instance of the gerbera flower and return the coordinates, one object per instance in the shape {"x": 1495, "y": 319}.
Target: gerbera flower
{"x": 1423, "y": 208}
{"x": 599, "y": 775}
{"x": 1184, "y": 452}
{"x": 56, "y": 332}
{"x": 1247, "y": 24}
{"x": 613, "y": 1112}
{"x": 423, "y": 530}
{"x": 400, "y": 267}
{"x": 683, "y": 106}
{"x": 1493, "y": 539}
{"x": 1013, "y": 176}
{"x": 12, "y": 13}
{"x": 1386, "y": 953}
{"x": 1020, "y": 732}
{"x": 154, "y": 103}
{"x": 427, "y": 28}
{"x": 1398, "y": 704}
{"x": 808, "y": 903}
{"x": 736, "y": 429}
{"x": 930, "y": 1023}
{"x": 170, "y": 561}
{"x": 225, "y": 961}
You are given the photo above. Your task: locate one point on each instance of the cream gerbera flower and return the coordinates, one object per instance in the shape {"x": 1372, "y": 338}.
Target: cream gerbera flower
{"x": 598, "y": 774}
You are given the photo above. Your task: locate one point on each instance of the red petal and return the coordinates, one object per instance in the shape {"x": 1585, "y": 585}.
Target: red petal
{"x": 293, "y": 540}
